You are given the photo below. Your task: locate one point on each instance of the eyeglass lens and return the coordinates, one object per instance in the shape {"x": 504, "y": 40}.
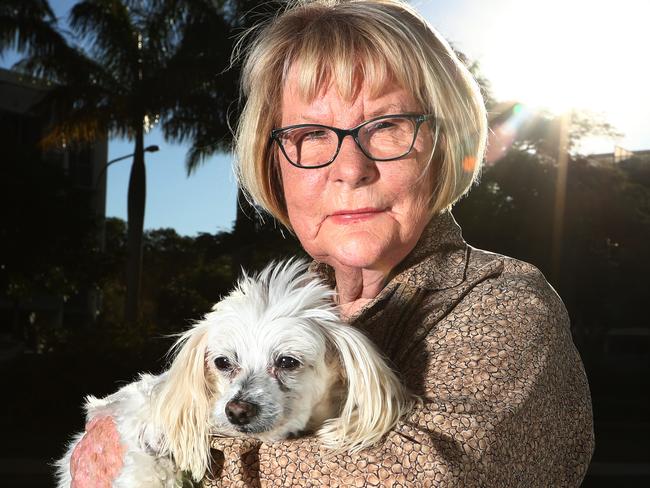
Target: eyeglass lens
{"x": 385, "y": 138}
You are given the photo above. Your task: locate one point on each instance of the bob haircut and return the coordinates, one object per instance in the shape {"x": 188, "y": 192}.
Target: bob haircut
{"x": 348, "y": 41}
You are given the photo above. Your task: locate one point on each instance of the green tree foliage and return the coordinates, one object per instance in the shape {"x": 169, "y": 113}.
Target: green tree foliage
{"x": 48, "y": 242}
{"x": 28, "y": 25}
{"x": 183, "y": 276}
{"x": 127, "y": 66}
{"x": 165, "y": 61}
{"x": 49, "y": 245}
{"x": 206, "y": 113}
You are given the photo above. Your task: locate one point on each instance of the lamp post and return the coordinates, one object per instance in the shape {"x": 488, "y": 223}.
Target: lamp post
{"x": 152, "y": 148}
{"x": 102, "y": 195}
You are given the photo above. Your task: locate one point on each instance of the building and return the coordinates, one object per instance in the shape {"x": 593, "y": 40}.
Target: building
{"x": 619, "y": 154}
{"x": 24, "y": 118}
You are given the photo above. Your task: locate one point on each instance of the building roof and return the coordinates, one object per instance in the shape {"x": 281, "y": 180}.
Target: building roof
{"x": 19, "y": 93}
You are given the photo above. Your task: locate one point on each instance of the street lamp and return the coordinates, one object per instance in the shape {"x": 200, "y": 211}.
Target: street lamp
{"x": 152, "y": 148}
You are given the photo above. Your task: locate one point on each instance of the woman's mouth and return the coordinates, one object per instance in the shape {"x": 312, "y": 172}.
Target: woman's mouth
{"x": 349, "y": 216}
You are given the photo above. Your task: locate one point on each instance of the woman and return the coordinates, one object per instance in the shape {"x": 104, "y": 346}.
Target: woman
{"x": 482, "y": 338}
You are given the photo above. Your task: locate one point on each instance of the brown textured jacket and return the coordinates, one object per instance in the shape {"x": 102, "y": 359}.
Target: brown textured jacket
{"x": 485, "y": 341}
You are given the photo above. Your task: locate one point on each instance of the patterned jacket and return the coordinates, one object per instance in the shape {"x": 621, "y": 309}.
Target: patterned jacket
{"x": 485, "y": 341}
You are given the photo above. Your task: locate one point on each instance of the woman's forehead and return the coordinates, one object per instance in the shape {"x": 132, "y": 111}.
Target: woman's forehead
{"x": 310, "y": 78}
{"x": 330, "y": 96}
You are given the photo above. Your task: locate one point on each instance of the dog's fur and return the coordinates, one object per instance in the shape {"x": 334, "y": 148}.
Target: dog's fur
{"x": 275, "y": 343}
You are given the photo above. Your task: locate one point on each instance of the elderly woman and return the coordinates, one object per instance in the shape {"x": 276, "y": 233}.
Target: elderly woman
{"x": 360, "y": 131}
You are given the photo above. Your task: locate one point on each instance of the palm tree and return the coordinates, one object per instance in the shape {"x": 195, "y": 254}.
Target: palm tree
{"x": 26, "y": 25}
{"x": 208, "y": 134}
{"x": 128, "y": 65}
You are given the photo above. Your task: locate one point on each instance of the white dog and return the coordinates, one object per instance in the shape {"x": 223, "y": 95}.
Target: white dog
{"x": 272, "y": 360}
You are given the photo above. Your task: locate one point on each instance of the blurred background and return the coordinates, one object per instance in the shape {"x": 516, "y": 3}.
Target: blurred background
{"x": 121, "y": 220}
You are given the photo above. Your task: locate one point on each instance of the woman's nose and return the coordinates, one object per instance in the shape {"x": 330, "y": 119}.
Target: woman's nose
{"x": 352, "y": 167}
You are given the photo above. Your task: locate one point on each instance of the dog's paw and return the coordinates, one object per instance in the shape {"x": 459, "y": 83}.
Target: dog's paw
{"x": 297, "y": 434}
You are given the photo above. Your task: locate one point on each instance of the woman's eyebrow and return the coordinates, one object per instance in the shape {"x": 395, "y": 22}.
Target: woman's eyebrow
{"x": 315, "y": 119}
{"x": 322, "y": 119}
{"x": 391, "y": 108}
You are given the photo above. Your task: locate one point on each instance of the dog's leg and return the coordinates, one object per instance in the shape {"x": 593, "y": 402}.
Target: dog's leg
{"x": 63, "y": 475}
{"x": 143, "y": 470}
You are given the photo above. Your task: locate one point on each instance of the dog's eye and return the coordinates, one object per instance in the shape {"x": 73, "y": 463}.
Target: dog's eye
{"x": 287, "y": 362}
{"x": 222, "y": 363}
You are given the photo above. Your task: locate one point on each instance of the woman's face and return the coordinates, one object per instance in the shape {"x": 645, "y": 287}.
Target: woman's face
{"x": 356, "y": 212}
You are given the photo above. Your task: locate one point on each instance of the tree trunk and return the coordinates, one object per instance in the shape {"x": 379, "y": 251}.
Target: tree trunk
{"x": 136, "y": 204}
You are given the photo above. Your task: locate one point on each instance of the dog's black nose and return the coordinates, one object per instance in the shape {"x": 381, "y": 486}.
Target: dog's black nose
{"x": 240, "y": 412}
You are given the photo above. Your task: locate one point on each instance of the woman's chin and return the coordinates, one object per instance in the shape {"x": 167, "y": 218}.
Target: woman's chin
{"x": 372, "y": 245}
{"x": 358, "y": 251}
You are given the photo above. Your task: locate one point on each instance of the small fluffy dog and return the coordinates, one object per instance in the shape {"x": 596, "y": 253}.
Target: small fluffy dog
{"x": 272, "y": 360}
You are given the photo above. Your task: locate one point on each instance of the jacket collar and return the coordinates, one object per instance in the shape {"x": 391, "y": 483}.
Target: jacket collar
{"x": 439, "y": 259}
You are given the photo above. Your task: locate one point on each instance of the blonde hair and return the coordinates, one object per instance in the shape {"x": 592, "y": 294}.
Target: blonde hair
{"x": 377, "y": 41}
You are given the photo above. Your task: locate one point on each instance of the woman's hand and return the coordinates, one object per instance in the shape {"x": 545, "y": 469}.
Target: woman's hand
{"x": 98, "y": 457}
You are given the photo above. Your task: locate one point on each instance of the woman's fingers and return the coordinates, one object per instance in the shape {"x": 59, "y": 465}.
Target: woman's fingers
{"x": 98, "y": 456}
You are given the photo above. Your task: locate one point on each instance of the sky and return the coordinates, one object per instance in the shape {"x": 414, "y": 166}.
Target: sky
{"x": 556, "y": 54}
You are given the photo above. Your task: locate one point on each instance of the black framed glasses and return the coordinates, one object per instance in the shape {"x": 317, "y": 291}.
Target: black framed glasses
{"x": 383, "y": 138}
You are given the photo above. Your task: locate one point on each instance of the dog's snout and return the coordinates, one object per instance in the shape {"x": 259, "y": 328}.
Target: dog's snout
{"x": 240, "y": 412}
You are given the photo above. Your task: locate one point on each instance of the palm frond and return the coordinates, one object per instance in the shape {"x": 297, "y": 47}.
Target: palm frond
{"x": 166, "y": 58}
{"x": 198, "y": 154}
{"x": 201, "y": 116}
{"x": 28, "y": 26}
{"x": 114, "y": 39}
{"x": 68, "y": 65}
{"x": 82, "y": 125}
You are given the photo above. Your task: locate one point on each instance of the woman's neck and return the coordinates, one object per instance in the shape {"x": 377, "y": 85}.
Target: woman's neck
{"x": 356, "y": 287}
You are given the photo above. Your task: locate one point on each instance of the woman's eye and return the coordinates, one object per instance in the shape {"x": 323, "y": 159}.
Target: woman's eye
{"x": 287, "y": 362}
{"x": 222, "y": 363}
{"x": 313, "y": 135}
{"x": 383, "y": 125}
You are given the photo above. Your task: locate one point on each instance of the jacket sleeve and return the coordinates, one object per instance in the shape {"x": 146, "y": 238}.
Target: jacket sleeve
{"x": 505, "y": 403}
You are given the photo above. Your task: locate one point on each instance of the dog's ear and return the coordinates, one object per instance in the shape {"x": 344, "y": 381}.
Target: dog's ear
{"x": 181, "y": 404}
{"x": 375, "y": 398}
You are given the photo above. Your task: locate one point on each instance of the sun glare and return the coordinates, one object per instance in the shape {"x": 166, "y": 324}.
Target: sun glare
{"x": 563, "y": 54}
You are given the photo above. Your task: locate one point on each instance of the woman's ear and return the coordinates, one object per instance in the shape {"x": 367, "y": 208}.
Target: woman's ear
{"x": 375, "y": 398}
{"x": 181, "y": 405}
